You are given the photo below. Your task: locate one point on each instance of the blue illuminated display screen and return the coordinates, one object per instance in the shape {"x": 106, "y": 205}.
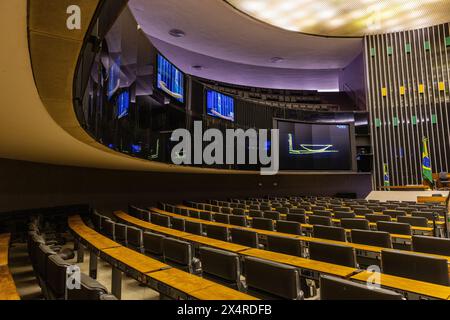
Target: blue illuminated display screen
{"x": 123, "y": 104}
{"x": 170, "y": 79}
{"x": 219, "y": 105}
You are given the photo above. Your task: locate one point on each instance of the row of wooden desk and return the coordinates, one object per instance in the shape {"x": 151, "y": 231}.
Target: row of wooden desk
{"x": 159, "y": 276}
{"x": 417, "y": 230}
{"x": 8, "y": 290}
{"x": 263, "y": 233}
{"x": 308, "y": 268}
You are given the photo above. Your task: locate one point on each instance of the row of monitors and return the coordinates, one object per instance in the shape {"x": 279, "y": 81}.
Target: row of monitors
{"x": 170, "y": 80}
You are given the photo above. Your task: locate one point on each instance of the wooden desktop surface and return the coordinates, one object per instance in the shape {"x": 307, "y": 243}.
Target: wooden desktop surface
{"x": 150, "y": 226}
{"x": 182, "y": 235}
{"x": 319, "y": 266}
{"x": 196, "y": 286}
{"x": 425, "y": 199}
{"x": 8, "y": 290}
{"x": 404, "y": 284}
{"x": 135, "y": 260}
{"x": 418, "y": 187}
{"x": 217, "y": 292}
{"x": 94, "y": 238}
{"x": 4, "y": 248}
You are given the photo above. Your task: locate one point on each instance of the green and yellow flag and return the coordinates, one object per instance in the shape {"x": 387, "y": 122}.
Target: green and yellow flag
{"x": 427, "y": 173}
{"x": 386, "y": 178}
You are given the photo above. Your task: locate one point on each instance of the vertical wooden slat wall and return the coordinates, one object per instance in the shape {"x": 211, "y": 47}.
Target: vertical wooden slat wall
{"x": 405, "y": 72}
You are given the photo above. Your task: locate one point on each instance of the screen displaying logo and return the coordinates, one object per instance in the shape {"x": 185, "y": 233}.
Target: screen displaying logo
{"x": 309, "y": 148}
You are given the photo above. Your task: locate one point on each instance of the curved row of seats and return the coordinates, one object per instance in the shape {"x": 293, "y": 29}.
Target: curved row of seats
{"x": 322, "y": 228}
{"x": 50, "y": 266}
{"x": 217, "y": 265}
{"x": 397, "y": 263}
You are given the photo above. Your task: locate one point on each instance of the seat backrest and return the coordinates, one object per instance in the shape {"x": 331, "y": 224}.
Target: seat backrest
{"x": 425, "y": 214}
{"x": 443, "y": 176}
{"x": 363, "y": 211}
{"x": 332, "y": 288}
{"x": 120, "y": 232}
{"x": 329, "y": 232}
{"x": 56, "y": 276}
{"x": 361, "y": 224}
{"x": 240, "y": 221}
{"x": 239, "y": 211}
{"x": 134, "y": 237}
{"x": 319, "y": 220}
{"x": 226, "y": 210}
{"x": 207, "y": 216}
{"x": 341, "y": 209}
{"x": 373, "y": 217}
{"x": 177, "y": 223}
{"x": 244, "y": 237}
{"x": 406, "y": 209}
{"x": 322, "y": 213}
{"x": 414, "y": 221}
{"x": 300, "y": 218}
{"x": 284, "y": 245}
{"x": 259, "y": 276}
{"x": 109, "y": 229}
{"x": 90, "y": 290}
{"x": 415, "y": 266}
{"x": 394, "y": 213}
{"x": 372, "y": 238}
{"x": 283, "y": 210}
{"x": 296, "y": 211}
{"x": 215, "y": 209}
{"x": 254, "y": 207}
{"x": 221, "y": 265}
{"x": 42, "y": 252}
{"x": 217, "y": 232}
{"x": 274, "y": 215}
{"x": 255, "y": 214}
{"x": 433, "y": 245}
{"x": 332, "y": 253}
{"x": 263, "y": 224}
{"x": 178, "y": 252}
{"x": 222, "y": 218}
{"x": 194, "y": 214}
{"x": 344, "y": 215}
{"x": 193, "y": 227}
{"x": 394, "y": 227}
{"x": 153, "y": 243}
{"x": 290, "y": 227}
{"x": 265, "y": 207}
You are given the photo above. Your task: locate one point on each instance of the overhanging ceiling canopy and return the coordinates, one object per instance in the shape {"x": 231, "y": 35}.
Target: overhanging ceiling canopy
{"x": 349, "y": 18}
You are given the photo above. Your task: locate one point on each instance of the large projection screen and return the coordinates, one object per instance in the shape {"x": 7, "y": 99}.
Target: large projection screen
{"x": 316, "y": 146}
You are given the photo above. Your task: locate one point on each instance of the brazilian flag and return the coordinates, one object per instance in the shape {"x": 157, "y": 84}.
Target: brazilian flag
{"x": 386, "y": 178}
{"x": 426, "y": 162}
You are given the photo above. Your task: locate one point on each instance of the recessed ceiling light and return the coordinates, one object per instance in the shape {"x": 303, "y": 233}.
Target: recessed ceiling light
{"x": 177, "y": 33}
{"x": 276, "y": 59}
{"x": 197, "y": 67}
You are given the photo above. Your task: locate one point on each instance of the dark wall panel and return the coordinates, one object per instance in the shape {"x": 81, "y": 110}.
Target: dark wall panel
{"x": 25, "y": 185}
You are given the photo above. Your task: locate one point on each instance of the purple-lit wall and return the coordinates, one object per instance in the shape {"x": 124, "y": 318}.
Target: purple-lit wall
{"x": 352, "y": 81}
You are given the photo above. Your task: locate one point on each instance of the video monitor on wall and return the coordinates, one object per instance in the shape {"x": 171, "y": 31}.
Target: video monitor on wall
{"x": 123, "y": 104}
{"x": 219, "y": 105}
{"x": 170, "y": 79}
{"x": 315, "y": 146}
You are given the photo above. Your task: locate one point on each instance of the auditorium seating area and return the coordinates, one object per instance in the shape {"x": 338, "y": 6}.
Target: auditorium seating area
{"x": 192, "y": 240}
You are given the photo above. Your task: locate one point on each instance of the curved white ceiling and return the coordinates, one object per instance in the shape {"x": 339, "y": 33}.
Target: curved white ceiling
{"x": 346, "y": 18}
{"x": 213, "y": 28}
